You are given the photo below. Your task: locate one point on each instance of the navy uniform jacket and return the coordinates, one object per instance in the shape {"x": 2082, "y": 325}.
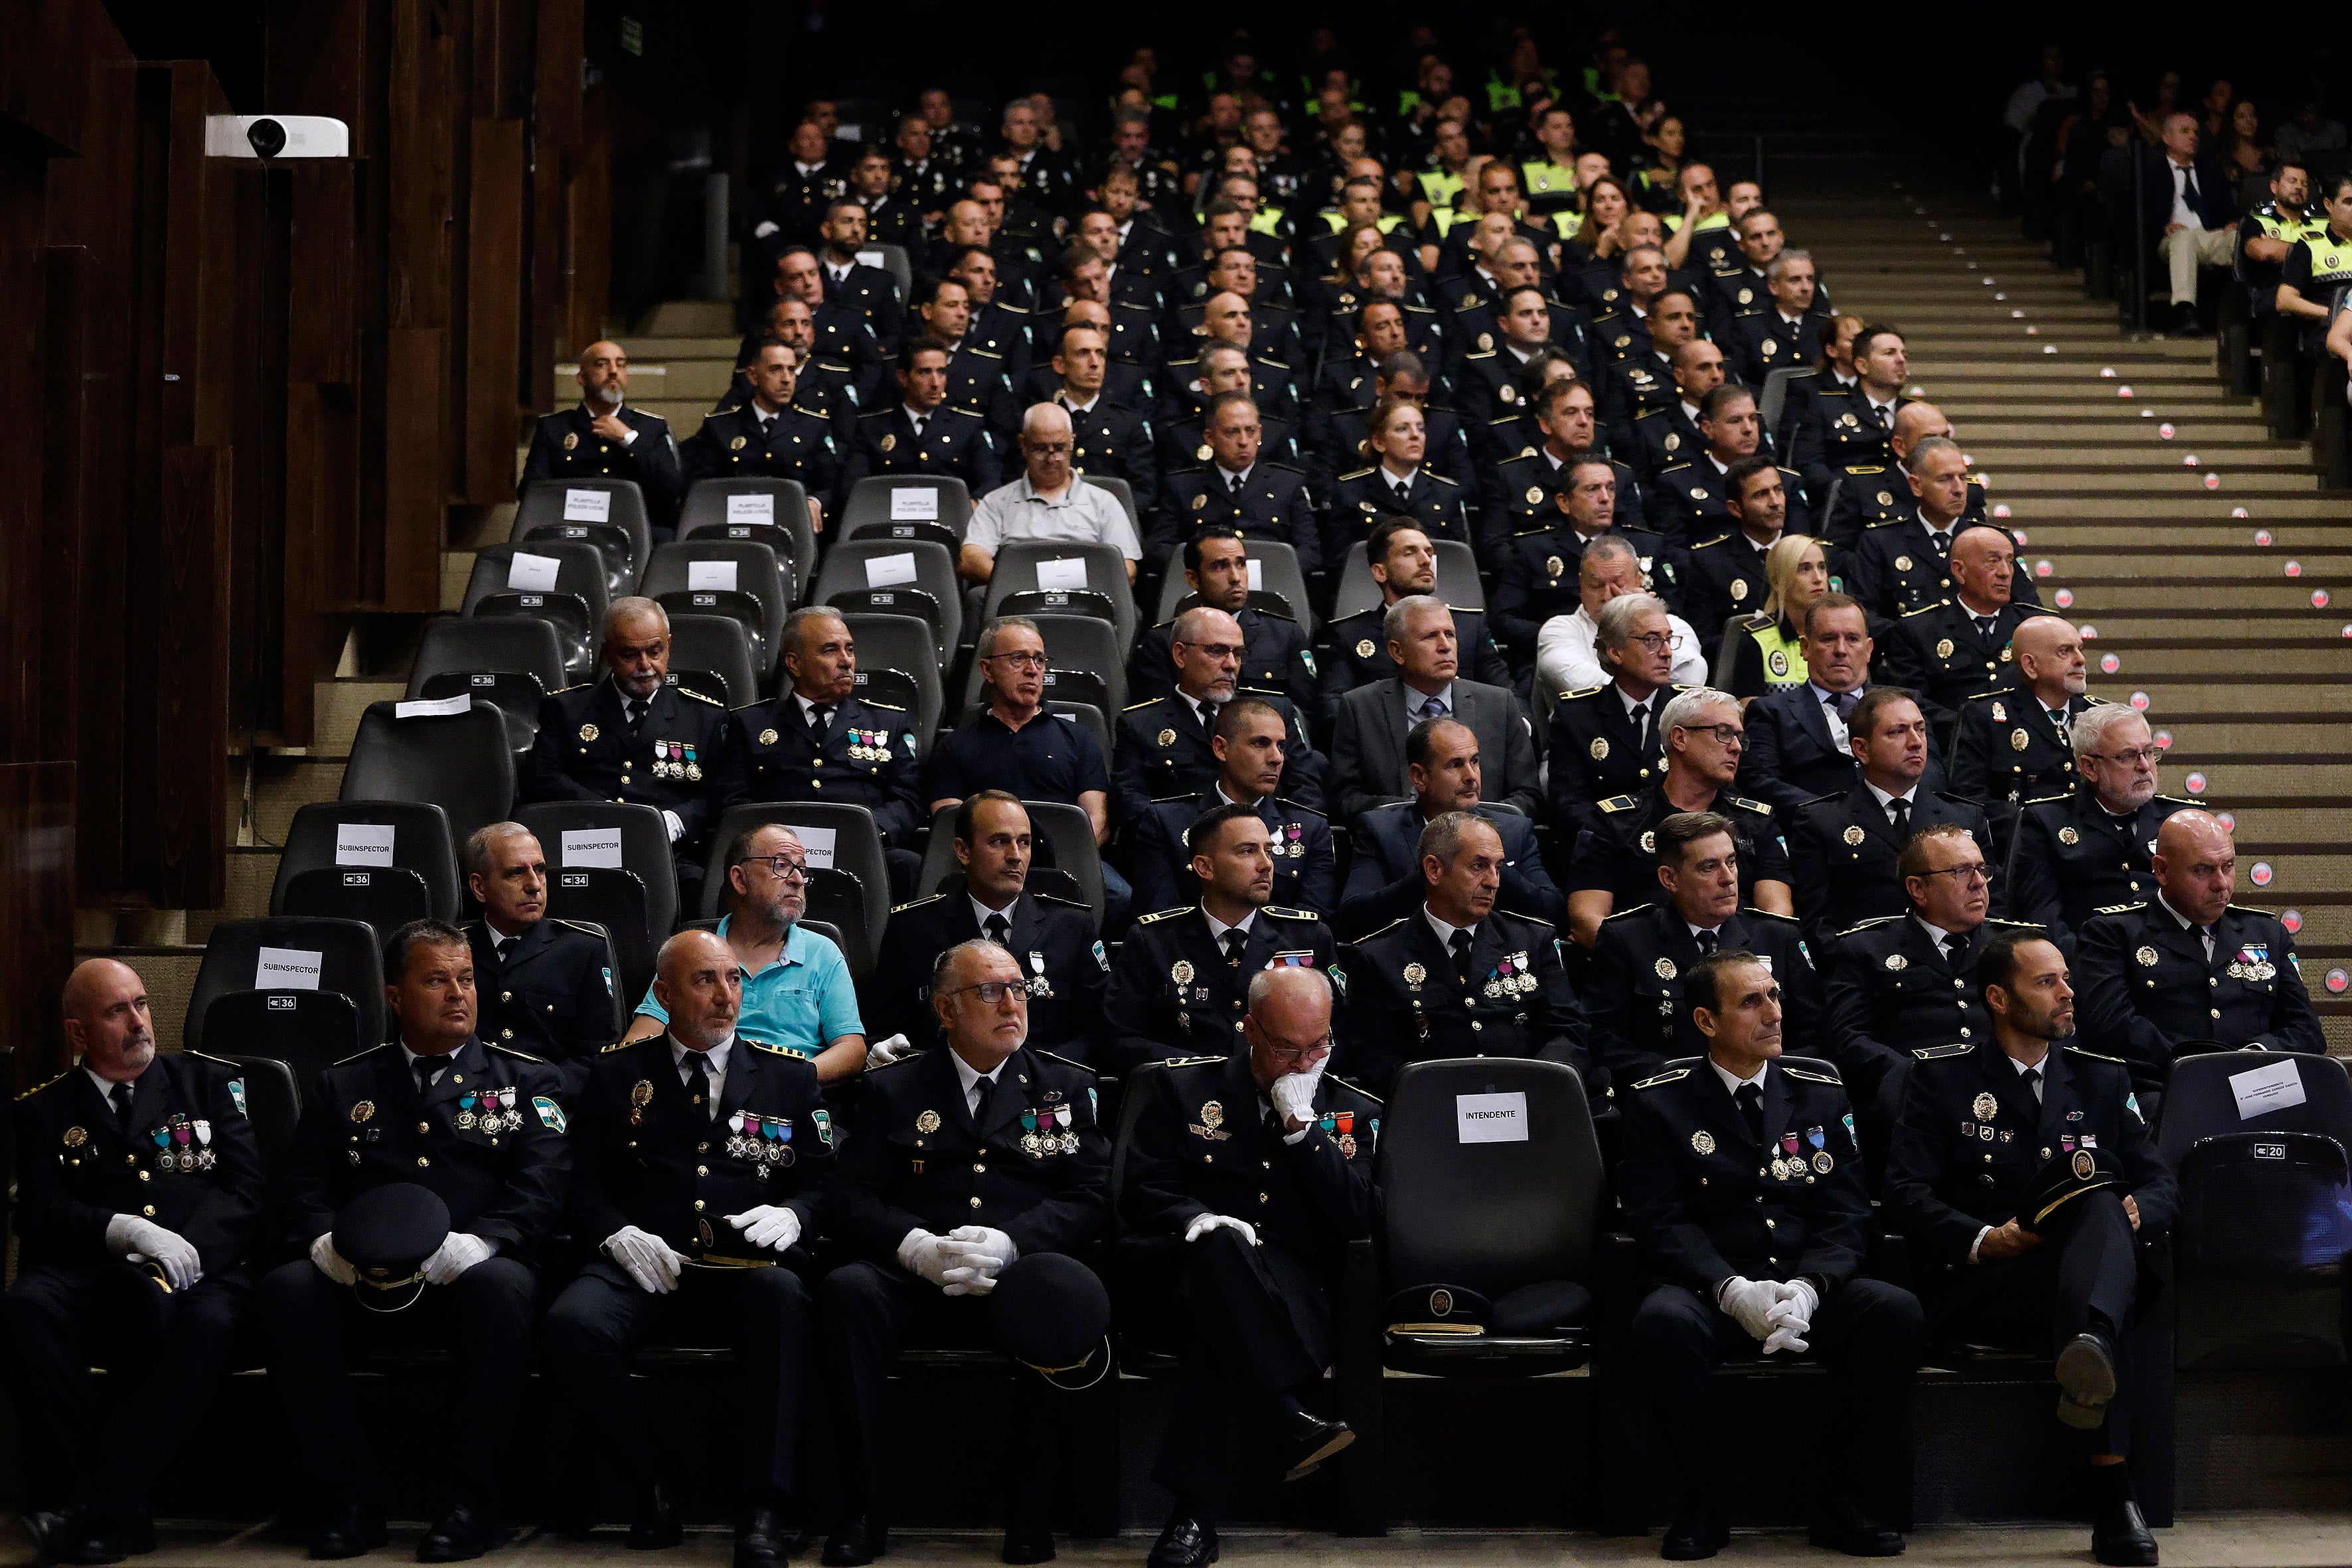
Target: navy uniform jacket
{"x": 584, "y": 751}
{"x": 2146, "y": 990}
{"x": 1002, "y": 331}
{"x": 363, "y": 1125}
{"x": 1272, "y": 504}
{"x": 1896, "y": 567}
{"x": 1052, "y": 939}
{"x": 1276, "y": 657}
{"x": 1172, "y": 986}
{"x": 1536, "y": 577}
{"x": 891, "y": 219}
{"x": 1635, "y": 988}
{"x": 1843, "y": 848}
{"x": 1270, "y": 387}
{"x": 1161, "y": 748}
{"x": 1360, "y": 656}
{"x": 795, "y": 444}
{"x": 1339, "y": 441}
{"x": 1891, "y": 987}
{"x": 1727, "y": 579}
{"x": 1592, "y": 744}
{"x": 1201, "y": 1145}
{"x": 980, "y": 382}
{"x": 1706, "y": 1203}
{"x": 76, "y": 1168}
{"x": 1364, "y": 496}
{"x": 841, "y": 335}
{"x": 1406, "y": 1003}
{"x": 1523, "y": 488}
{"x": 648, "y": 1156}
{"x": 564, "y": 446}
{"x": 915, "y": 1161}
{"x": 1875, "y": 494}
{"x": 1113, "y": 441}
{"x": 1765, "y": 341}
{"x": 1791, "y": 759}
{"x": 2007, "y": 751}
{"x": 1951, "y": 1171}
{"x": 1687, "y": 502}
{"x": 1937, "y": 653}
{"x": 554, "y": 998}
{"x": 1620, "y": 857}
{"x": 955, "y": 442}
{"x": 870, "y": 291}
{"x": 866, "y": 758}
{"x": 795, "y": 201}
{"x": 1384, "y": 880}
{"x": 1183, "y": 445}
{"x": 1303, "y": 871}
{"x": 2072, "y": 857}
{"x": 1666, "y": 437}
{"x": 1124, "y": 386}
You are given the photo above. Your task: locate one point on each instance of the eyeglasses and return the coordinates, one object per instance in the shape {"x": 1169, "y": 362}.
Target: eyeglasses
{"x": 2130, "y": 759}
{"x": 1218, "y": 649}
{"x": 1048, "y": 448}
{"x": 1961, "y": 875}
{"x": 783, "y": 867}
{"x": 992, "y": 992}
{"x": 1019, "y": 660}
{"x": 1725, "y": 734}
{"x": 1657, "y": 642}
{"x": 1279, "y": 1048}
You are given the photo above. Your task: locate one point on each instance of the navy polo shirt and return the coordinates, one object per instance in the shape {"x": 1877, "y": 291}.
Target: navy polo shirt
{"x": 1049, "y": 758}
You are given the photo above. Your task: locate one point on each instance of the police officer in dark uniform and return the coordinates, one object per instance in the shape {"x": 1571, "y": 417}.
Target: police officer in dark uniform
{"x": 2188, "y": 970}
{"x": 1734, "y": 1260}
{"x": 793, "y": 205}
{"x": 1539, "y": 571}
{"x": 971, "y": 1169}
{"x": 2091, "y": 847}
{"x": 821, "y": 742}
{"x": 1259, "y": 1164}
{"x": 1903, "y": 560}
{"x": 2017, "y": 745}
{"x": 1052, "y": 939}
{"x": 1635, "y": 990}
{"x": 1182, "y": 973}
{"x": 1249, "y": 741}
{"x": 139, "y": 1185}
{"x": 1255, "y": 497}
{"x": 1189, "y": 387}
{"x": 1363, "y": 498}
{"x": 766, "y": 437}
{"x": 545, "y": 986}
{"x": 1995, "y": 1180}
{"x": 919, "y": 434}
{"x": 1166, "y": 746}
{"x": 1727, "y": 574}
{"x": 604, "y": 439}
{"x": 702, "y": 1159}
{"x": 1786, "y": 332}
{"x": 481, "y": 1126}
{"x": 1950, "y": 650}
{"x": 1276, "y": 656}
{"x": 1474, "y": 981}
{"x": 1404, "y": 565}
{"x": 838, "y": 333}
{"x": 1605, "y": 740}
{"x": 1346, "y": 432}
{"x": 995, "y": 329}
{"x": 634, "y": 737}
{"x": 1687, "y": 501}
{"x": 1528, "y": 477}
{"x": 1851, "y": 429}
{"x": 1108, "y": 438}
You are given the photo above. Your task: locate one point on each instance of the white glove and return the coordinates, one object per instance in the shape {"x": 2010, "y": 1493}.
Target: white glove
{"x": 978, "y": 1255}
{"x": 646, "y": 1259}
{"x": 329, "y": 1262}
{"x": 1791, "y": 1317}
{"x": 768, "y": 1226}
{"x": 763, "y": 231}
{"x": 677, "y": 826}
{"x": 139, "y": 1240}
{"x": 457, "y": 1254}
{"x": 882, "y": 1053}
{"x": 932, "y": 1257}
{"x": 1294, "y": 1095}
{"x": 1202, "y": 1224}
{"x": 1750, "y": 1303}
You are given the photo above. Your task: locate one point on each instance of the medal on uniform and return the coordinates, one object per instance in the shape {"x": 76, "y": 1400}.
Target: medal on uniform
{"x": 1985, "y": 1106}
{"x": 1853, "y": 835}
{"x": 1039, "y": 986}
{"x": 1702, "y": 1141}
{"x": 589, "y": 732}
{"x": 572, "y": 441}
{"x": 2018, "y": 740}
{"x": 464, "y": 1116}
{"x": 1599, "y": 747}
{"x": 2069, "y": 837}
{"x": 1414, "y": 974}
{"x": 1665, "y": 969}
{"x": 693, "y": 768}
{"x": 1069, "y": 1136}
{"x": 76, "y": 1137}
{"x": 767, "y": 737}
{"x": 1180, "y": 971}
{"x": 1896, "y": 961}
{"x": 1029, "y": 1133}
{"x": 928, "y": 1121}
{"x": 205, "y": 1158}
{"x": 2147, "y": 957}
{"x": 1364, "y": 649}
{"x": 1213, "y": 1115}
{"x": 1944, "y": 648}
{"x": 780, "y": 1139}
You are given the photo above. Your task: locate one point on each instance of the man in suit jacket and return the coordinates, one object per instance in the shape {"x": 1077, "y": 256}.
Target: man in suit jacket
{"x": 2192, "y": 211}
{"x": 1797, "y": 747}
{"x": 1442, "y": 760}
{"x": 1368, "y": 759}
{"x": 602, "y": 439}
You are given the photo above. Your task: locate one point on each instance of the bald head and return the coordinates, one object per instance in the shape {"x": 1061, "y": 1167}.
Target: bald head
{"x": 2196, "y": 865}
{"x": 1290, "y": 1023}
{"x": 603, "y": 376}
{"x": 2050, "y": 660}
{"x": 698, "y": 982}
{"x": 107, "y": 1021}
{"x": 1045, "y": 422}
{"x": 1915, "y": 422}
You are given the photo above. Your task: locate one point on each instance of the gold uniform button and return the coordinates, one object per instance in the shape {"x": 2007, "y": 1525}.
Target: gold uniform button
{"x": 1263, "y": 1199}
{"x": 149, "y": 1211}
{"x": 979, "y": 1170}
{"x": 424, "y": 1126}
{"x": 698, "y": 1204}
{"x": 975, "y": 1202}
{"x": 702, "y": 1170}
{"x": 505, "y": 1034}
{"x": 2216, "y": 1012}
{"x": 422, "y": 1162}
{"x": 1475, "y": 1025}
{"x": 702, "y": 1148}
{"x": 144, "y": 1177}
{"x": 1770, "y": 1225}
{"x": 506, "y": 995}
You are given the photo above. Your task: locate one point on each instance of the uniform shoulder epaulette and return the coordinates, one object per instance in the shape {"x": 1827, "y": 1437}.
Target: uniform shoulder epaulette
{"x": 1385, "y": 930}
{"x": 1672, "y": 1075}
{"x": 1754, "y": 913}
{"x": 1624, "y": 914}
{"x": 2173, "y": 800}
{"x": 771, "y": 1050}
{"x": 886, "y": 707}
{"x": 1059, "y": 1060}
{"x": 2014, "y": 925}
{"x": 45, "y": 1083}
{"x": 1886, "y": 522}
{"x": 699, "y": 697}
{"x": 1672, "y": 468}
{"x": 1937, "y": 1053}
{"x": 1060, "y": 902}
{"x": 1618, "y": 803}
{"x": 1925, "y": 609}
{"x": 509, "y": 1050}
{"x": 1281, "y": 913}
{"x": 1189, "y": 1061}
{"x": 1487, "y": 355}
{"x": 1357, "y": 1089}
{"x": 1757, "y": 621}
{"x": 1145, "y": 703}
{"x": 949, "y": 408}
{"x": 1174, "y": 799}
{"x": 2049, "y": 800}
{"x": 1653, "y": 413}
{"x": 1871, "y": 924}
{"x": 625, "y": 1045}
{"x": 916, "y": 903}
{"x": 1581, "y": 691}
{"x": 1711, "y": 544}
{"x": 898, "y": 1062}
{"x": 1165, "y": 914}
{"x": 356, "y": 1056}
{"x": 567, "y": 690}
{"x": 745, "y": 706}
{"x": 1297, "y": 805}
{"x": 2251, "y": 910}
{"x": 2119, "y": 909}
{"x": 2095, "y": 1055}
{"x": 1745, "y": 804}
{"x": 828, "y": 364}
{"x": 731, "y": 408}
{"x": 1287, "y": 468}
{"x": 1441, "y": 480}
{"x": 1465, "y": 609}
{"x": 1807, "y": 1075}
{"x": 1358, "y": 474}
{"x": 2092, "y": 701}
{"x": 2008, "y": 691}
{"x": 208, "y": 1056}
{"x": 877, "y": 414}
{"x": 1866, "y": 468}
{"x": 583, "y": 929}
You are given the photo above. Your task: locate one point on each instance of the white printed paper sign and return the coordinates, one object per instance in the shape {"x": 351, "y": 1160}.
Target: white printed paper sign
{"x": 1491, "y": 1118}
{"x": 2273, "y": 1087}
{"x": 288, "y": 969}
{"x": 889, "y": 571}
{"x": 591, "y": 847}
{"x": 915, "y": 506}
{"x": 587, "y": 506}
{"x": 528, "y": 574}
{"x": 363, "y": 843}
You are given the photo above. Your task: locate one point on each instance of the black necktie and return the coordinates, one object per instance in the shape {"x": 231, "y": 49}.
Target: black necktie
{"x": 920, "y": 420}
{"x": 1401, "y": 490}
{"x": 1000, "y": 931}
{"x": 1751, "y": 1110}
{"x": 2032, "y": 1077}
{"x": 120, "y": 1096}
{"x": 1235, "y": 940}
{"x": 1209, "y": 717}
{"x": 697, "y": 1079}
{"x": 502, "y": 949}
{"x": 1900, "y": 814}
{"x": 1707, "y": 942}
{"x": 636, "y": 714}
{"x": 1956, "y": 948}
{"x": 1942, "y": 541}
{"x": 1985, "y": 624}
{"x": 1641, "y": 717}
{"x": 984, "y": 1089}
{"x": 1461, "y": 946}
{"x": 427, "y": 1069}
{"x": 1233, "y": 484}
{"x": 820, "y": 720}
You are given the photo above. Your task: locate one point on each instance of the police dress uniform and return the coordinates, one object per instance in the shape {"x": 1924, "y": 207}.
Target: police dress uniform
{"x": 1365, "y": 496}
{"x": 1709, "y": 1200}
{"x": 184, "y": 1157}
{"x": 2149, "y": 992}
{"x": 1002, "y": 330}
{"x": 1304, "y": 876}
{"x": 650, "y": 1154}
{"x": 1161, "y": 748}
{"x": 1524, "y": 485}
{"x": 1384, "y": 880}
{"x": 2009, "y": 749}
{"x": 488, "y": 1138}
{"x": 565, "y": 446}
{"x": 1634, "y": 987}
{"x": 1271, "y": 502}
{"x": 1890, "y": 986}
{"x": 1688, "y": 504}
{"x": 736, "y": 444}
{"x": 1873, "y": 495}
{"x": 841, "y": 335}
{"x": 1175, "y": 985}
{"x": 796, "y": 202}
{"x": 1665, "y": 435}
{"x": 1900, "y": 565}
{"x": 865, "y": 757}
{"x": 1645, "y": 383}
{"x": 1342, "y": 440}
{"x": 1410, "y": 998}
{"x": 892, "y": 218}
{"x": 1597, "y": 753}
{"x": 552, "y": 994}
{"x": 1033, "y": 1164}
{"x": 1276, "y": 656}
{"x": 1726, "y": 578}
{"x": 1052, "y": 939}
{"x": 2072, "y": 857}
{"x": 1793, "y": 756}
{"x": 1620, "y": 857}
{"x": 1360, "y": 656}
{"x": 1844, "y": 849}
{"x": 1765, "y": 341}
{"x": 1184, "y": 445}
{"x": 1111, "y": 440}
{"x": 955, "y": 442}
{"x": 1252, "y": 1322}
{"x": 1939, "y": 653}
{"x": 586, "y": 751}
{"x": 1967, "y": 1150}
{"x": 1537, "y": 575}
{"x": 872, "y": 292}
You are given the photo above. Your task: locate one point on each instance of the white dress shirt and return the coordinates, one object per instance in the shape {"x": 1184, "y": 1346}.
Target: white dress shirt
{"x": 1566, "y": 660}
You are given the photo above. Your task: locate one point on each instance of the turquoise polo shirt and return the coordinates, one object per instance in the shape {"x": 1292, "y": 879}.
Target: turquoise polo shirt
{"x": 797, "y": 1004}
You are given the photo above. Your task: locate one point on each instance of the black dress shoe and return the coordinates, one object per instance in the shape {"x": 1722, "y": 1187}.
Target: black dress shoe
{"x": 346, "y": 1531}
{"x": 1839, "y": 1526}
{"x": 760, "y": 1543}
{"x": 653, "y": 1523}
{"x": 1308, "y": 1440}
{"x": 2120, "y": 1537}
{"x": 2086, "y": 1381}
{"x": 88, "y": 1545}
{"x": 861, "y": 1540}
{"x": 51, "y": 1529}
{"x": 1690, "y": 1538}
{"x": 461, "y": 1535}
{"x": 1187, "y": 1540}
{"x": 1028, "y": 1543}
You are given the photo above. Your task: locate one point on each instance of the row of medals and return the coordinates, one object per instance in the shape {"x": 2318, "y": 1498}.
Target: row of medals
{"x": 498, "y": 1113}
{"x": 173, "y": 1139}
{"x": 1510, "y": 979}
{"x": 765, "y": 1141}
{"x": 675, "y": 759}
{"x": 1037, "y": 1144}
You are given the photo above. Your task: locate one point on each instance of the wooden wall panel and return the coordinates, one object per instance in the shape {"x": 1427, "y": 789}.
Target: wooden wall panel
{"x": 494, "y": 368}
{"x": 415, "y": 370}
{"x": 37, "y": 915}
{"x": 189, "y": 649}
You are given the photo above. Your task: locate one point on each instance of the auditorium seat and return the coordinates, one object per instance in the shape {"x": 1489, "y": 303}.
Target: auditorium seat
{"x": 774, "y": 513}
{"x": 508, "y": 580}
{"x": 848, "y": 831}
{"x": 273, "y": 1103}
{"x": 457, "y": 760}
{"x": 873, "y": 507}
{"x": 511, "y": 661}
{"x": 1457, "y": 581}
{"x": 575, "y": 834}
{"x": 1122, "y": 492}
{"x": 393, "y": 843}
{"x": 731, "y": 577}
{"x": 901, "y": 646}
{"x": 608, "y": 514}
{"x": 614, "y": 902}
{"x": 1067, "y": 861}
{"x": 284, "y": 953}
{"x": 712, "y": 655}
{"x": 1277, "y": 585}
{"x": 306, "y": 1031}
{"x": 1014, "y": 588}
{"x": 899, "y": 577}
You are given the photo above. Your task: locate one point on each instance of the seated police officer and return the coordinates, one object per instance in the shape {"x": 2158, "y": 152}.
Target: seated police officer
{"x": 1734, "y": 1260}
{"x": 1248, "y": 739}
{"x": 1443, "y": 762}
{"x": 1237, "y": 486}
{"x": 478, "y": 1125}
{"x": 1474, "y": 981}
{"x": 1614, "y": 866}
{"x": 1275, "y": 653}
{"x": 797, "y": 994}
{"x": 920, "y": 434}
{"x": 631, "y": 736}
{"x": 1949, "y": 651}
{"x": 545, "y": 985}
{"x": 1178, "y": 984}
{"x": 1540, "y": 578}
{"x": 138, "y": 1189}
{"x": 701, "y": 1161}
{"x": 1726, "y": 576}
{"x": 2093, "y": 847}
{"x": 1569, "y": 654}
{"x": 601, "y": 440}
{"x": 1798, "y": 736}
{"x": 1368, "y": 759}
{"x": 822, "y": 742}
{"x": 1166, "y": 747}
{"x": 966, "y": 1169}
{"x": 1053, "y": 938}
{"x": 2017, "y": 745}
{"x": 1636, "y": 993}
{"x": 1844, "y": 847}
{"x": 1263, "y": 1165}
{"x": 2023, "y": 1179}
{"x": 2190, "y": 970}
{"x": 1404, "y": 563}
{"x": 765, "y": 437}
